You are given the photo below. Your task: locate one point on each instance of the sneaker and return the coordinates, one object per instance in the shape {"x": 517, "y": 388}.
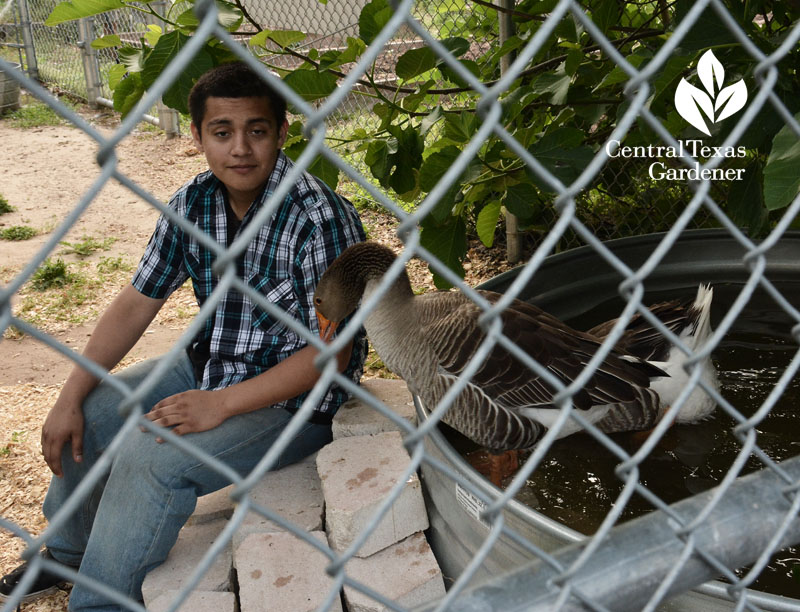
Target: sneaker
{"x": 45, "y": 583}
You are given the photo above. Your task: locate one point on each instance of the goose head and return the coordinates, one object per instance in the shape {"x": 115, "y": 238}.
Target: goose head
{"x": 342, "y": 285}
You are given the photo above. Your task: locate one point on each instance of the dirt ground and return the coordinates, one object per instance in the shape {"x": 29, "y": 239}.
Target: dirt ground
{"x": 44, "y": 172}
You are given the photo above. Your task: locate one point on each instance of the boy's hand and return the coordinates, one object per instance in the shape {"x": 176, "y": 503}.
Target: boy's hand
{"x": 189, "y": 412}
{"x": 64, "y": 424}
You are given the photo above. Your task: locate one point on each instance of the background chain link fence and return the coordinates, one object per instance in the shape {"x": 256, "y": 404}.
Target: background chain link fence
{"x": 637, "y": 565}
{"x": 64, "y": 59}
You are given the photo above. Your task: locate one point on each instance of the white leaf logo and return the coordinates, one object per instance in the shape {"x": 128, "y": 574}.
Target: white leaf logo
{"x": 717, "y": 103}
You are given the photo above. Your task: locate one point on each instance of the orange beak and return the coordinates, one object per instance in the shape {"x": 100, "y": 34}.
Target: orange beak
{"x": 326, "y": 328}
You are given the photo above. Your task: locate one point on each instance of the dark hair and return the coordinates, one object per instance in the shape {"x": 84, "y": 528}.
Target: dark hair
{"x": 235, "y": 80}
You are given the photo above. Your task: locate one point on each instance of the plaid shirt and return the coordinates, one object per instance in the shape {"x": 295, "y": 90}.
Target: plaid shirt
{"x": 284, "y": 262}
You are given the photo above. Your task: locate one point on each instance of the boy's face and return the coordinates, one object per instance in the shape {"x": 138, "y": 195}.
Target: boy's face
{"x": 241, "y": 141}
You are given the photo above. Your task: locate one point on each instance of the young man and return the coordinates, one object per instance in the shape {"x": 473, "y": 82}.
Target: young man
{"x": 245, "y": 373}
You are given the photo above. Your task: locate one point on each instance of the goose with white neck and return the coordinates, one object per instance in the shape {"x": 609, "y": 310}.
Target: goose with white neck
{"x": 429, "y": 339}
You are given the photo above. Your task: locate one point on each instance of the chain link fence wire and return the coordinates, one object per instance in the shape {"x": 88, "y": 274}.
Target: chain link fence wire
{"x": 638, "y": 565}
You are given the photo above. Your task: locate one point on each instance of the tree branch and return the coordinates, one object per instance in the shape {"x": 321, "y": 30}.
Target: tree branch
{"x": 247, "y": 16}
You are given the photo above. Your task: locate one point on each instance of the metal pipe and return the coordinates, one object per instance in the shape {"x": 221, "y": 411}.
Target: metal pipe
{"x": 110, "y": 104}
{"x": 631, "y": 563}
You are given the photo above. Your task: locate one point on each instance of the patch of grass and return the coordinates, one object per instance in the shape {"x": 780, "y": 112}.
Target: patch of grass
{"x": 107, "y": 265}
{"x": 87, "y": 245}
{"x": 52, "y": 274}
{"x": 5, "y": 207}
{"x": 13, "y": 333}
{"x": 16, "y": 438}
{"x": 60, "y": 294}
{"x": 36, "y": 114}
{"x": 18, "y": 232}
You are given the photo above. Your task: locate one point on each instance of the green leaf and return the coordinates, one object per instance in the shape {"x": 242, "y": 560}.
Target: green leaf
{"x": 115, "y": 75}
{"x": 573, "y": 61}
{"x": 522, "y": 200}
{"x": 618, "y": 75}
{"x": 406, "y": 160}
{"x": 569, "y": 28}
{"x": 377, "y": 158}
{"x": 745, "y": 203}
{"x": 132, "y": 58}
{"x": 451, "y": 75}
{"x": 326, "y": 170}
{"x": 310, "y": 84}
{"x": 555, "y": 84}
{"x": 284, "y": 38}
{"x": 128, "y": 93}
{"x": 560, "y": 153}
{"x": 386, "y": 112}
{"x": 430, "y": 120}
{"x": 412, "y": 101}
{"x": 537, "y": 7}
{"x": 456, "y": 45}
{"x": 167, "y": 47}
{"x": 605, "y": 13}
{"x": 152, "y": 35}
{"x": 334, "y": 59}
{"x": 374, "y": 16}
{"x": 76, "y": 9}
{"x": 708, "y": 31}
{"x": 448, "y": 242}
{"x": 460, "y": 127}
{"x": 436, "y": 165}
{"x": 177, "y": 95}
{"x": 415, "y": 62}
{"x": 486, "y": 223}
{"x": 781, "y": 178}
{"x": 112, "y": 40}
{"x": 228, "y": 16}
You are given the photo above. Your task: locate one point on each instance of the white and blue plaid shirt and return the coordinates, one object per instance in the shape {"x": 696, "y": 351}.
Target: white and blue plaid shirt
{"x": 284, "y": 263}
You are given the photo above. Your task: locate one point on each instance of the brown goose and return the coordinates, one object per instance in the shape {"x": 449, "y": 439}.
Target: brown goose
{"x": 429, "y": 339}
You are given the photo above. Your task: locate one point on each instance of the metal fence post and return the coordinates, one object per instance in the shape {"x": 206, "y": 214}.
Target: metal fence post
{"x": 91, "y": 71}
{"x": 27, "y": 39}
{"x": 513, "y": 235}
{"x": 168, "y": 119}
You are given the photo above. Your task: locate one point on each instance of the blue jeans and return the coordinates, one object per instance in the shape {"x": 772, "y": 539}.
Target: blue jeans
{"x": 128, "y": 525}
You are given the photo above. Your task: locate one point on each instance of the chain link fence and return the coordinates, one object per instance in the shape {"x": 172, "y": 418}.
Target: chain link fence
{"x": 640, "y": 565}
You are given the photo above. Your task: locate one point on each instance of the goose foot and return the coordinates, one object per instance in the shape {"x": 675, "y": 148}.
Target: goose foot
{"x": 495, "y": 467}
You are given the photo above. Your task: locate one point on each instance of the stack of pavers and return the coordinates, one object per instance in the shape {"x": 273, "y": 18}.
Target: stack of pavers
{"x": 333, "y": 496}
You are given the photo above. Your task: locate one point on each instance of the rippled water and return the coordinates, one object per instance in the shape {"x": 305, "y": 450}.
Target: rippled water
{"x": 576, "y": 484}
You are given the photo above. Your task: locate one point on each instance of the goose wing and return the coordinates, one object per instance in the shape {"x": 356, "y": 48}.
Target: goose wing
{"x": 642, "y": 339}
{"x": 450, "y": 326}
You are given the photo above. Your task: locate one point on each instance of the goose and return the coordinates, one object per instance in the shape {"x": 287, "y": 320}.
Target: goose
{"x": 429, "y": 339}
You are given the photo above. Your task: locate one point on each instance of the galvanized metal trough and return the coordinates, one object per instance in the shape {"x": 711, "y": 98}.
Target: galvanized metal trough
{"x": 567, "y": 285}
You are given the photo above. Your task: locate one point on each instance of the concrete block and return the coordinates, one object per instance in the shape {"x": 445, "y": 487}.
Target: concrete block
{"x": 406, "y": 573}
{"x": 280, "y": 573}
{"x": 357, "y": 474}
{"x": 175, "y": 572}
{"x": 212, "y": 507}
{"x": 295, "y": 492}
{"x": 356, "y": 418}
{"x": 198, "y": 601}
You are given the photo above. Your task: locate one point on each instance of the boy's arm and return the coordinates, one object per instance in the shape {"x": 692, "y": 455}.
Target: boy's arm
{"x": 121, "y": 325}
{"x": 194, "y": 411}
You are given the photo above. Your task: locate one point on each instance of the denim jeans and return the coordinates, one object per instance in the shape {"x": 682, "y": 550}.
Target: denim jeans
{"x": 128, "y": 525}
